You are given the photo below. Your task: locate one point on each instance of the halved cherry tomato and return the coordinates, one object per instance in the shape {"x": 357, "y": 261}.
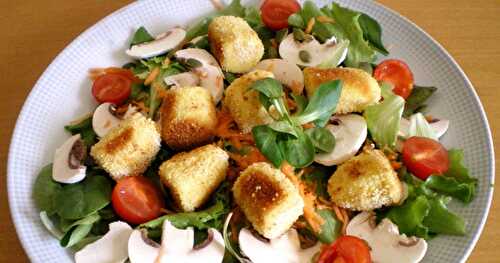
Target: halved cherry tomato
{"x": 346, "y": 249}
{"x": 137, "y": 200}
{"x": 275, "y": 13}
{"x": 111, "y": 87}
{"x": 425, "y": 157}
{"x": 396, "y": 72}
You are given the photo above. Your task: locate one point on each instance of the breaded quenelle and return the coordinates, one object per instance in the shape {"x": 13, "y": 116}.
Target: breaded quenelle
{"x": 235, "y": 44}
{"x": 268, "y": 199}
{"x": 191, "y": 177}
{"x": 129, "y": 148}
{"x": 244, "y": 104}
{"x": 359, "y": 89}
{"x": 365, "y": 182}
{"x": 188, "y": 117}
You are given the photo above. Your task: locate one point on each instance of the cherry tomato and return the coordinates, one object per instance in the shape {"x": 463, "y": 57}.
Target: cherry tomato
{"x": 111, "y": 87}
{"x": 346, "y": 249}
{"x": 424, "y": 157}
{"x": 137, "y": 200}
{"x": 396, "y": 72}
{"x": 275, "y": 13}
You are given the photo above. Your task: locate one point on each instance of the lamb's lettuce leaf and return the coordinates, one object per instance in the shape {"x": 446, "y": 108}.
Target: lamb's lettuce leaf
{"x": 84, "y": 128}
{"x": 383, "y": 119}
{"x": 372, "y": 32}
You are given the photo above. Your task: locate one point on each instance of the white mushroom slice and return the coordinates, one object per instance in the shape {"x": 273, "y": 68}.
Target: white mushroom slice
{"x": 112, "y": 247}
{"x": 309, "y": 53}
{"x": 386, "y": 244}
{"x": 284, "y": 249}
{"x": 104, "y": 118}
{"x": 209, "y": 72}
{"x": 439, "y": 127}
{"x": 185, "y": 79}
{"x": 141, "y": 249}
{"x": 286, "y": 72}
{"x": 68, "y": 160}
{"x": 162, "y": 44}
{"x": 350, "y": 133}
{"x": 176, "y": 246}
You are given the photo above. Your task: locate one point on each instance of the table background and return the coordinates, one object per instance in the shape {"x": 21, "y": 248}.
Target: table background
{"x": 33, "y": 32}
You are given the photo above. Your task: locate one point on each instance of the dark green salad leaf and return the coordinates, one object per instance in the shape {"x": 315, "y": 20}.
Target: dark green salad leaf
{"x": 45, "y": 191}
{"x": 285, "y": 138}
{"x": 424, "y": 213}
{"x": 141, "y": 35}
{"x": 330, "y": 229}
{"x": 79, "y": 200}
{"x": 84, "y": 128}
{"x": 372, "y": 32}
{"x": 78, "y": 230}
{"x": 265, "y": 140}
{"x": 415, "y": 102}
{"x": 322, "y": 139}
{"x": 211, "y": 217}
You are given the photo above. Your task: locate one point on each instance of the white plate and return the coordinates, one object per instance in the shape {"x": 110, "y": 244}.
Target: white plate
{"x": 63, "y": 93}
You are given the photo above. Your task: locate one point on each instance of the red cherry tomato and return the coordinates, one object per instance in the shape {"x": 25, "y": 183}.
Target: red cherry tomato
{"x": 424, "y": 157}
{"x": 396, "y": 72}
{"x": 275, "y": 13}
{"x": 137, "y": 200}
{"x": 111, "y": 87}
{"x": 346, "y": 249}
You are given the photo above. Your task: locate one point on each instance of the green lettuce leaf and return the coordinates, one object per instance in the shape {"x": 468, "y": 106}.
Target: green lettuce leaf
{"x": 452, "y": 187}
{"x": 383, "y": 119}
{"x": 359, "y": 48}
{"x": 441, "y": 221}
{"x": 409, "y": 217}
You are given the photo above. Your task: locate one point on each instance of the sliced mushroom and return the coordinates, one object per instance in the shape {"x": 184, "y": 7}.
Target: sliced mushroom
{"x": 185, "y": 79}
{"x": 311, "y": 53}
{"x": 176, "y": 246}
{"x": 105, "y": 118}
{"x": 286, "y": 72}
{"x": 162, "y": 44}
{"x": 350, "y": 133}
{"x": 142, "y": 249}
{"x": 68, "y": 161}
{"x": 386, "y": 244}
{"x": 440, "y": 127}
{"x": 112, "y": 247}
{"x": 206, "y": 68}
{"x": 284, "y": 249}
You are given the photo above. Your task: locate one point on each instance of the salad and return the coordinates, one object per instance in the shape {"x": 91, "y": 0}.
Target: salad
{"x": 259, "y": 133}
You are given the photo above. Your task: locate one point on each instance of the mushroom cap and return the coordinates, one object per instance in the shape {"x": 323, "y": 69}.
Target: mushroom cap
{"x": 209, "y": 73}
{"x": 103, "y": 119}
{"x": 440, "y": 127}
{"x": 350, "y": 132}
{"x": 162, "y": 44}
{"x": 284, "y": 249}
{"x": 387, "y": 245}
{"x": 112, "y": 247}
{"x": 318, "y": 53}
{"x": 285, "y": 71}
{"x": 62, "y": 172}
{"x": 184, "y": 79}
{"x": 140, "y": 249}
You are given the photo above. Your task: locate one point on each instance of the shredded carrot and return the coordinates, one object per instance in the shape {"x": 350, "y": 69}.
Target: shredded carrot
{"x": 152, "y": 76}
{"x": 217, "y": 4}
{"x": 310, "y": 25}
{"x": 224, "y": 128}
{"x": 396, "y": 165}
{"x": 342, "y": 215}
{"x": 274, "y": 43}
{"x": 308, "y": 125}
{"x": 94, "y": 73}
{"x": 243, "y": 161}
{"x": 314, "y": 220}
{"x": 325, "y": 19}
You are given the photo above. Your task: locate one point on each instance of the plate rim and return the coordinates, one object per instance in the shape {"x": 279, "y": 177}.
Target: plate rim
{"x": 15, "y": 214}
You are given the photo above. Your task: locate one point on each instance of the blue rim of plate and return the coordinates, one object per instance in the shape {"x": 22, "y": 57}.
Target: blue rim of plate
{"x": 15, "y": 214}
